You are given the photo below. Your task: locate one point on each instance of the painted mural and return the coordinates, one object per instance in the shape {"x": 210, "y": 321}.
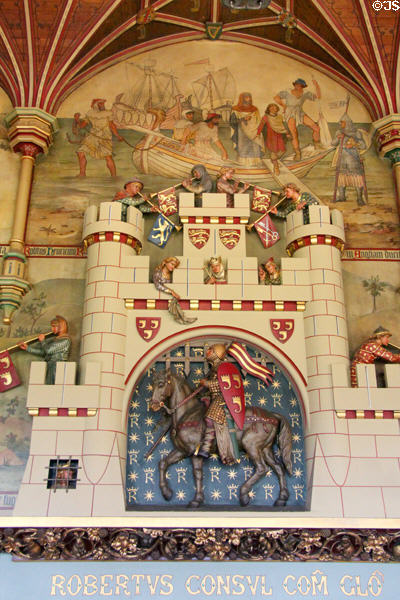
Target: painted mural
{"x": 9, "y": 169}
{"x": 154, "y": 117}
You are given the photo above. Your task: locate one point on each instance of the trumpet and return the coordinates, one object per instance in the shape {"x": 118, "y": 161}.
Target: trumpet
{"x": 34, "y": 339}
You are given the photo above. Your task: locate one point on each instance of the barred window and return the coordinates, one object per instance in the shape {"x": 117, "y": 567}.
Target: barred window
{"x": 63, "y": 474}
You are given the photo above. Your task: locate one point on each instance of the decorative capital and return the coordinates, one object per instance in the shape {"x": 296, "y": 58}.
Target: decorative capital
{"x": 387, "y": 135}
{"x": 393, "y": 156}
{"x": 28, "y": 149}
{"x": 31, "y": 126}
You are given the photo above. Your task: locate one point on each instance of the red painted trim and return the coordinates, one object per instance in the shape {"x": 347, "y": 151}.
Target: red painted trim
{"x": 247, "y": 305}
{"x": 369, "y": 414}
{"x": 221, "y": 221}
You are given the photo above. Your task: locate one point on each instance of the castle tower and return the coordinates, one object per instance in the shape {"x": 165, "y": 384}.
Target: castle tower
{"x": 82, "y": 426}
{"x": 320, "y": 243}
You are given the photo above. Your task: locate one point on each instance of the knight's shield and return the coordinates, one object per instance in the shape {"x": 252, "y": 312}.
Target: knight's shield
{"x": 282, "y": 329}
{"x": 148, "y": 327}
{"x": 231, "y": 386}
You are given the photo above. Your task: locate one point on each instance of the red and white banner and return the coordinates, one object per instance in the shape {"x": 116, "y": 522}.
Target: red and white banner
{"x": 8, "y": 374}
{"x": 267, "y": 231}
{"x": 261, "y": 200}
{"x": 249, "y": 364}
{"x": 168, "y": 202}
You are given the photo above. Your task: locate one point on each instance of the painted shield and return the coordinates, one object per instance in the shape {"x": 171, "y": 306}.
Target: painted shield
{"x": 148, "y": 327}
{"x": 199, "y": 236}
{"x": 231, "y": 386}
{"x": 282, "y": 329}
{"x": 8, "y": 375}
{"x": 229, "y": 237}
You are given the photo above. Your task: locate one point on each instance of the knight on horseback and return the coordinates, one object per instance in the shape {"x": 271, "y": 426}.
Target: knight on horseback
{"x": 225, "y": 408}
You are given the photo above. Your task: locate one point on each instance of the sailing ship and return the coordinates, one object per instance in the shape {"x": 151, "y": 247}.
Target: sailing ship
{"x": 215, "y": 92}
{"x": 146, "y": 104}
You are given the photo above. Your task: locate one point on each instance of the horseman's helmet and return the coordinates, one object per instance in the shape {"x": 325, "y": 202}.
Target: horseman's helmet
{"x": 216, "y": 353}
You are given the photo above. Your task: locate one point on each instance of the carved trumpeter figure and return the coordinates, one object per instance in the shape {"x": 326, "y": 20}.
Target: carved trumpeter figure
{"x": 53, "y": 350}
{"x": 371, "y": 350}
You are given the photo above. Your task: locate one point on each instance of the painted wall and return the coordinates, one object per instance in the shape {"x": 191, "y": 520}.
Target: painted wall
{"x": 60, "y": 196}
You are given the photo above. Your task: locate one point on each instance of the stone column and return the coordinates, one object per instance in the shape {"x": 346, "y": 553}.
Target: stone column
{"x": 30, "y": 132}
{"x": 387, "y": 139}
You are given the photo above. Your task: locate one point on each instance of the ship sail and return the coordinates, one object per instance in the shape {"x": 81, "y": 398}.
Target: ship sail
{"x": 153, "y": 91}
{"x": 215, "y": 90}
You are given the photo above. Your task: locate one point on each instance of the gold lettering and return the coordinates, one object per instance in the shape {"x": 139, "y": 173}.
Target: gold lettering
{"x": 238, "y": 584}
{"x": 265, "y": 592}
{"x": 166, "y": 581}
{"x": 188, "y": 584}
{"x": 152, "y": 587}
{"x": 285, "y": 585}
{"x": 90, "y": 581}
{"x": 137, "y": 579}
{"x": 317, "y": 586}
{"x": 300, "y": 585}
{"x": 204, "y": 581}
{"x": 253, "y": 587}
{"x": 78, "y": 585}
{"x": 57, "y": 581}
{"x": 123, "y": 585}
{"x": 104, "y": 584}
{"x": 343, "y": 583}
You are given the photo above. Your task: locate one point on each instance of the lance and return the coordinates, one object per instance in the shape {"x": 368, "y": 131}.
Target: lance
{"x": 34, "y": 339}
{"x": 177, "y": 227}
{"x": 158, "y": 440}
{"x": 251, "y": 225}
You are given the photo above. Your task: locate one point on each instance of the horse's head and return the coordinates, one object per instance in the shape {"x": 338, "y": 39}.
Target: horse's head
{"x": 162, "y": 389}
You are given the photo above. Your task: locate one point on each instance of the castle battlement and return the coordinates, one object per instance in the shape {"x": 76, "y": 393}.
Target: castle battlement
{"x": 322, "y": 222}
{"x": 107, "y": 218}
{"x": 64, "y": 393}
{"x": 367, "y": 396}
{"x": 213, "y": 205}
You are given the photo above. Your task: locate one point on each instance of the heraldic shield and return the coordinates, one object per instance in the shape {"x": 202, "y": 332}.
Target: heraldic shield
{"x": 148, "y": 327}
{"x": 282, "y": 329}
{"x": 231, "y": 386}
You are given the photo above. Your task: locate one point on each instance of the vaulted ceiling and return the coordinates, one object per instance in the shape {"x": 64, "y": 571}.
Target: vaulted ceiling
{"x": 49, "y": 47}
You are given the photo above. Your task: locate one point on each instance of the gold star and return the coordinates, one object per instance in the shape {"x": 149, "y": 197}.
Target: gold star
{"x": 252, "y": 494}
{"x": 181, "y": 495}
{"x": 232, "y": 474}
{"x": 149, "y": 495}
{"x": 149, "y": 387}
{"x": 246, "y": 383}
{"x": 179, "y": 353}
{"x": 133, "y": 437}
{"x": 298, "y": 473}
{"x": 198, "y": 371}
{"x": 149, "y": 421}
{"x": 262, "y": 401}
{"x": 134, "y": 403}
{"x": 132, "y": 476}
{"x": 296, "y": 437}
{"x": 276, "y": 384}
{"x": 215, "y": 494}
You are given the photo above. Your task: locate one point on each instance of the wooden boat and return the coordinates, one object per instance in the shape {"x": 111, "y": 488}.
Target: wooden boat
{"x": 158, "y": 155}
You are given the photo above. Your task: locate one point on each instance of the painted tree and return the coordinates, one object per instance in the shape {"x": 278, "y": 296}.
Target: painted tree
{"x": 375, "y": 287}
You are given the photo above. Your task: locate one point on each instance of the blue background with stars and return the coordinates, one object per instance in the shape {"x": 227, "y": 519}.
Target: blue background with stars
{"x": 221, "y": 482}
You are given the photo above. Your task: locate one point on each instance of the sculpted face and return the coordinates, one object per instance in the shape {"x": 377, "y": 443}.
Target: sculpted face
{"x": 134, "y": 188}
{"x": 216, "y": 267}
{"x": 55, "y": 328}
{"x": 171, "y": 265}
{"x": 384, "y": 340}
{"x": 270, "y": 267}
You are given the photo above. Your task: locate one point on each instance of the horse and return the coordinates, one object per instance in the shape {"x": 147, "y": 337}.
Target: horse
{"x": 260, "y": 431}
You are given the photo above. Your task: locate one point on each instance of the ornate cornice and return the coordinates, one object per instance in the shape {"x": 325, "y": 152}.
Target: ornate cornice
{"x": 387, "y": 135}
{"x": 30, "y": 126}
{"x": 103, "y": 543}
